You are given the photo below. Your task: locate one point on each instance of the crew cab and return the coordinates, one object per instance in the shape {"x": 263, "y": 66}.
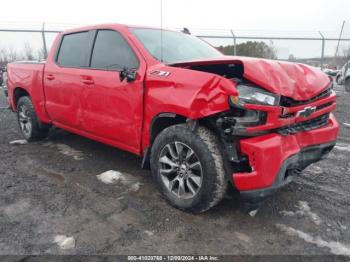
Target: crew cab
{"x": 202, "y": 122}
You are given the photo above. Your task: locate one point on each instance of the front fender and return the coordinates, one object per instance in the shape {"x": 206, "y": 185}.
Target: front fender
{"x": 188, "y": 93}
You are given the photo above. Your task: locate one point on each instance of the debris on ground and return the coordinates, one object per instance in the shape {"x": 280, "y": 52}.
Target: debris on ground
{"x": 64, "y": 242}
{"x": 110, "y": 177}
{"x": 19, "y": 142}
{"x": 253, "y": 212}
{"x": 148, "y": 233}
{"x": 127, "y": 180}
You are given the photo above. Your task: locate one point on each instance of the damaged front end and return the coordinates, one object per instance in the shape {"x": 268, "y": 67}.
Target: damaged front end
{"x": 268, "y": 133}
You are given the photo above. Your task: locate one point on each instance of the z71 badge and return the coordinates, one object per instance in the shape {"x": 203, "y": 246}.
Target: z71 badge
{"x": 160, "y": 73}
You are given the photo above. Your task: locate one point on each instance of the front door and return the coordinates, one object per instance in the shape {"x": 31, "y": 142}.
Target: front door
{"x": 113, "y": 109}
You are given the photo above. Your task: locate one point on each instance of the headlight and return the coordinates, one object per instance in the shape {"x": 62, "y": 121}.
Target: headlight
{"x": 254, "y": 95}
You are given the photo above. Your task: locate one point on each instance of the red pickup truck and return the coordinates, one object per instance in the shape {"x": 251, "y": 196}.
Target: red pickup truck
{"x": 202, "y": 121}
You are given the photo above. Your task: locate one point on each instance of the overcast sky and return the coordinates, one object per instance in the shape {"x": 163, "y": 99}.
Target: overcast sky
{"x": 273, "y": 17}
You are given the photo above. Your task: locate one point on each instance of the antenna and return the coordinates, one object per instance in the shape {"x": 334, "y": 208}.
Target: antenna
{"x": 161, "y": 30}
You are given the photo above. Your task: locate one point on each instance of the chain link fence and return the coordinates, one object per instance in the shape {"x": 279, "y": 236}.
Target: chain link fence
{"x": 320, "y": 49}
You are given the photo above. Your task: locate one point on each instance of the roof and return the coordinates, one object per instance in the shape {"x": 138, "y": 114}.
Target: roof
{"x": 119, "y": 27}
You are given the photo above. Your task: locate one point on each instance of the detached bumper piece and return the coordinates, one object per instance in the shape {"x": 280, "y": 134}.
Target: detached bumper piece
{"x": 274, "y": 158}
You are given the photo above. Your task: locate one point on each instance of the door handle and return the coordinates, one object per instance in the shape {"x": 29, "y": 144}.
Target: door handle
{"x": 50, "y": 77}
{"x": 88, "y": 81}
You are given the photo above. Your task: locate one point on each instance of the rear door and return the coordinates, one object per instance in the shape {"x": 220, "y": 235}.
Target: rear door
{"x": 113, "y": 109}
{"x": 64, "y": 77}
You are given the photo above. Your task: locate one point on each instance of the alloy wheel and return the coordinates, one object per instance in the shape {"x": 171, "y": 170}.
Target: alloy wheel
{"x": 180, "y": 170}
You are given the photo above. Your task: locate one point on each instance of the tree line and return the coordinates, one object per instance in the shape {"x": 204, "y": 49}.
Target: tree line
{"x": 251, "y": 48}
{"x": 10, "y": 54}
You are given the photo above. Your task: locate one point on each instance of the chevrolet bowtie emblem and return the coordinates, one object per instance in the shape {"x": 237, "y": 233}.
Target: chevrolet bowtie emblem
{"x": 307, "y": 111}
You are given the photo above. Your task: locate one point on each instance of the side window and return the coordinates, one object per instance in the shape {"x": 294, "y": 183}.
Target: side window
{"x": 72, "y": 51}
{"x": 111, "y": 51}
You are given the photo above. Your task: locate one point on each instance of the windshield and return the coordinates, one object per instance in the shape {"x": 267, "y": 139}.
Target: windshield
{"x": 177, "y": 47}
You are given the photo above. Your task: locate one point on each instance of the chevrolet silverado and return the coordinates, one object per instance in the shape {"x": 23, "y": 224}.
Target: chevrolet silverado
{"x": 203, "y": 122}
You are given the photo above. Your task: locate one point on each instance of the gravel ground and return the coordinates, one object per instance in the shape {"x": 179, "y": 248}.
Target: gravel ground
{"x": 51, "y": 202}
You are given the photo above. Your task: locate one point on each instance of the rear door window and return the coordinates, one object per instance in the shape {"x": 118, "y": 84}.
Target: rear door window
{"x": 112, "y": 52}
{"x": 73, "y": 50}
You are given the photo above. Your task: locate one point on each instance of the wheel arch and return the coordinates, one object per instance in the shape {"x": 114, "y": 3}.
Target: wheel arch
{"x": 158, "y": 124}
{"x": 22, "y": 92}
{"x": 17, "y": 94}
{"x": 164, "y": 120}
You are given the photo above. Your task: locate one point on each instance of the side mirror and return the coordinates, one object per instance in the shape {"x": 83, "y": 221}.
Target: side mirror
{"x": 129, "y": 74}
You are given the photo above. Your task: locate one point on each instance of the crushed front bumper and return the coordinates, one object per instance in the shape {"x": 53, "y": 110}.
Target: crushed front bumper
{"x": 275, "y": 158}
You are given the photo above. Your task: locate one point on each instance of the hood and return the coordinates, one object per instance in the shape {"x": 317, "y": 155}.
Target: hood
{"x": 297, "y": 81}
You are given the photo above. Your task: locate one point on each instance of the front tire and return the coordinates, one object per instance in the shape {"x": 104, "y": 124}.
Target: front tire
{"x": 29, "y": 123}
{"x": 189, "y": 168}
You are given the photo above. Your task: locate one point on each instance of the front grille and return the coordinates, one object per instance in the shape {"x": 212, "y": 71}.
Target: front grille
{"x": 289, "y": 102}
{"x": 304, "y": 126}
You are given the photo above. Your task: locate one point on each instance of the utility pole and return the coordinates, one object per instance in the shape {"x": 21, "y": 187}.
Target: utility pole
{"x": 44, "y": 41}
{"x": 340, "y": 35}
{"x": 322, "y": 54}
{"x": 234, "y": 42}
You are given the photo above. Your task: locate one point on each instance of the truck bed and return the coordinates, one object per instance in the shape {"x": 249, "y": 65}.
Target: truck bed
{"x": 28, "y": 75}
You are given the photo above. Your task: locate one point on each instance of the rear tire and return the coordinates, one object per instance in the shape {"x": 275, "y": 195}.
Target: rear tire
{"x": 189, "y": 168}
{"x": 29, "y": 123}
{"x": 347, "y": 85}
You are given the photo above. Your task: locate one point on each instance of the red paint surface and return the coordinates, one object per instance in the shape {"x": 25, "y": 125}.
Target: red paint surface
{"x": 298, "y": 81}
{"x": 267, "y": 153}
{"x": 274, "y": 119}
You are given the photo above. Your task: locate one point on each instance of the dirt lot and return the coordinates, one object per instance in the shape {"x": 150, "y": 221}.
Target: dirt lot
{"x": 49, "y": 191}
